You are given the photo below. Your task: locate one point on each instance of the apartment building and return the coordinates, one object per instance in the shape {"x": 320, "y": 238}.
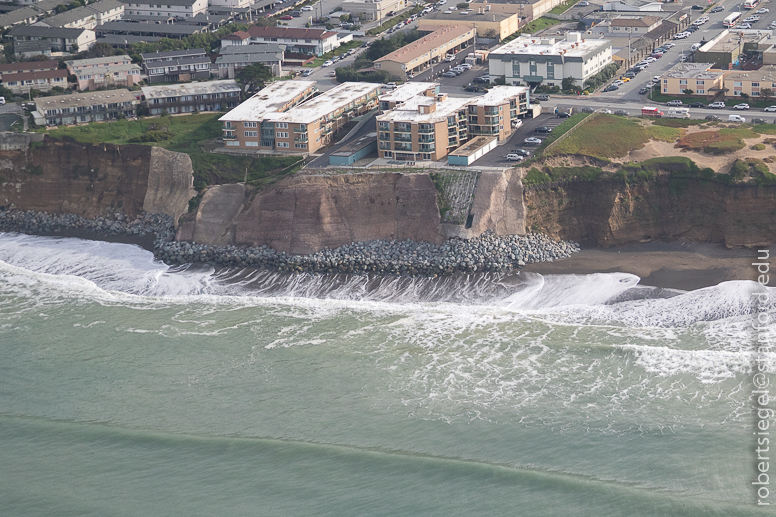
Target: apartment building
{"x": 235, "y": 58}
{"x": 423, "y": 53}
{"x": 490, "y": 20}
{"x": 20, "y": 78}
{"x": 534, "y": 60}
{"x": 636, "y": 25}
{"x": 62, "y": 40}
{"x": 698, "y": 77}
{"x": 176, "y": 66}
{"x": 405, "y": 92}
{"x": 84, "y": 107}
{"x": 235, "y": 4}
{"x": 371, "y": 10}
{"x": 297, "y": 41}
{"x": 88, "y": 16}
{"x": 28, "y": 49}
{"x": 429, "y": 128}
{"x": 166, "y": 8}
{"x": 25, "y": 15}
{"x": 191, "y": 97}
{"x": 109, "y": 71}
{"x": 277, "y": 118}
{"x": 750, "y": 82}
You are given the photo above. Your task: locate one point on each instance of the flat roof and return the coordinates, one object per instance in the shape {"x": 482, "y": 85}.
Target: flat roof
{"x": 270, "y": 99}
{"x": 256, "y": 57}
{"x": 126, "y": 39}
{"x": 573, "y": 45}
{"x": 767, "y": 72}
{"x": 153, "y": 28}
{"x": 174, "y": 54}
{"x": 472, "y": 146}
{"x": 424, "y": 45}
{"x": 97, "y": 61}
{"x": 127, "y": 67}
{"x": 175, "y": 90}
{"x": 409, "y": 111}
{"x": 472, "y": 16}
{"x": 331, "y": 100}
{"x": 498, "y": 95}
{"x": 406, "y": 91}
{"x": 84, "y": 99}
{"x": 730, "y": 39}
{"x": 356, "y": 145}
{"x": 692, "y": 71}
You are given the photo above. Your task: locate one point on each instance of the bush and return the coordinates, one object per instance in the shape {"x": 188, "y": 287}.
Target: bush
{"x": 601, "y": 77}
{"x": 535, "y": 177}
{"x": 758, "y": 147}
{"x": 739, "y": 170}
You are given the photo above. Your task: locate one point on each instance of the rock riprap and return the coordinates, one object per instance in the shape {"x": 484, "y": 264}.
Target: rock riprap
{"x": 488, "y": 252}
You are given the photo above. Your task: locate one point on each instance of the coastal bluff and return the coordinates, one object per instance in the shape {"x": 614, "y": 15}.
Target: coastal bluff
{"x": 91, "y": 180}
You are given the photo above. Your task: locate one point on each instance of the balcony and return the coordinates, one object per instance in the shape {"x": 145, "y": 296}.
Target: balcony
{"x": 402, "y": 137}
{"x": 228, "y": 136}
{"x": 427, "y": 148}
{"x": 402, "y": 147}
{"x": 425, "y": 130}
{"x": 426, "y": 138}
{"x": 300, "y": 138}
{"x": 300, "y": 130}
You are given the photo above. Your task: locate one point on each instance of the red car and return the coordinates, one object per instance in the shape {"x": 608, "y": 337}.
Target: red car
{"x": 287, "y": 17}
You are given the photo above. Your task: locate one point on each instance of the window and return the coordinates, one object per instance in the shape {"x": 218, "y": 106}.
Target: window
{"x": 281, "y": 125}
{"x": 300, "y": 146}
{"x": 283, "y": 144}
{"x": 281, "y": 134}
{"x": 700, "y": 92}
{"x": 249, "y": 124}
{"x": 699, "y": 83}
{"x": 251, "y": 144}
{"x": 755, "y": 85}
{"x": 232, "y": 143}
{"x": 251, "y": 134}
{"x": 384, "y": 126}
{"x": 682, "y": 82}
{"x": 738, "y": 83}
{"x": 515, "y": 68}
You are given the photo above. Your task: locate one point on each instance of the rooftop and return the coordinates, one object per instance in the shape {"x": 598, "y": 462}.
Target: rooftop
{"x": 473, "y": 15}
{"x": 251, "y": 49}
{"x": 166, "y": 2}
{"x": 36, "y": 45}
{"x": 104, "y": 6}
{"x": 18, "y": 16}
{"x": 126, "y": 67}
{"x": 71, "y": 16}
{"x": 472, "y": 146}
{"x": 406, "y": 91}
{"x": 289, "y": 32}
{"x": 410, "y": 110}
{"x": 148, "y": 28}
{"x": 37, "y": 74}
{"x": 97, "y": 61}
{"x": 38, "y": 31}
{"x": 356, "y": 145}
{"x": 692, "y": 71}
{"x": 729, "y": 40}
{"x": 174, "y": 54}
{"x": 28, "y": 66}
{"x": 120, "y": 40}
{"x": 766, "y": 73}
{"x": 635, "y": 21}
{"x": 84, "y": 99}
{"x": 317, "y": 107}
{"x": 498, "y": 95}
{"x": 573, "y": 45}
{"x": 271, "y": 99}
{"x": 254, "y": 57}
{"x": 422, "y": 46}
{"x": 176, "y": 90}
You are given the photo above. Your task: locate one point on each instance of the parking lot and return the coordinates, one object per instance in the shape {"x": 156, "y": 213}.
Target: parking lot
{"x": 497, "y": 157}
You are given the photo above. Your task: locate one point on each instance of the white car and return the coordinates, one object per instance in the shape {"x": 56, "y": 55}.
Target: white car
{"x": 717, "y": 105}
{"x": 764, "y": 10}
{"x": 742, "y": 106}
{"x": 770, "y": 108}
{"x": 306, "y": 8}
{"x": 682, "y": 35}
{"x": 744, "y": 26}
{"x": 465, "y": 66}
{"x": 533, "y": 140}
{"x": 650, "y": 59}
{"x": 514, "y": 158}
{"x": 327, "y": 63}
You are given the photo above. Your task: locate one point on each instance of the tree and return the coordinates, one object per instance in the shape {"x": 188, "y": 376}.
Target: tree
{"x": 567, "y": 83}
{"x": 462, "y": 5}
{"x": 99, "y": 50}
{"x": 254, "y": 76}
{"x": 688, "y": 91}
{"x": 766, "y": 93}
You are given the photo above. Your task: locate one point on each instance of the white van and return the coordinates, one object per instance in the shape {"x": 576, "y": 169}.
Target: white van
{"x": 678, "y": 113}
{"x": 736, "y": 118}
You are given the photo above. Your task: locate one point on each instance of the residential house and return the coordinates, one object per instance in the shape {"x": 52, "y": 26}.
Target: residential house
{"x": 371, "y": 10}
{"x": 88, "y": 16}
{"x": 39, "y": 75}
{"x": 235, "y": 58}
{"x": 541, "y": 60}
{"x": 274, "y": 120}
{"x": 751, "y": 82}
{"x": 25, "y": 15}
{"x": 102, "y": 72}
{"x": 82, "y": 108}
{"x": 179, "y": 8}
{"x": 297, "y": 41}
{"x": 148, "y": 29}
{"x": 28, "y": 49}
{"x": 698, "y": 77}
{"x": 191, "y": 97}
{"x": 637, "y": 25}
{"x": 176, "y": 66}
{"x": 62, "y": 40}
{"x": 490, "y": 20}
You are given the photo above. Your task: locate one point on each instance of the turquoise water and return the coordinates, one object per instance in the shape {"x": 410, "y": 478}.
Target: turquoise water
{"x": 129, "y": 388}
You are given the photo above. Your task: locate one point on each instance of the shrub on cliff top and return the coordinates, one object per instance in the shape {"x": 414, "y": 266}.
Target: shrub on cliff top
{"x": 536, "y": 177}
{"x": 739, "y": 170}
{"x": 758, "y": 147}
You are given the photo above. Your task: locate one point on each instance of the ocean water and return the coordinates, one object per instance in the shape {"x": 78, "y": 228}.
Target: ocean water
{"x": 131, "y": 388}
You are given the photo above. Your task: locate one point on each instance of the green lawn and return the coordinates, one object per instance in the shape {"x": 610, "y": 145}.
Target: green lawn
{"x": 539, "y": 24}
{"x": 190, "y": 134}
{"x": 336, "y": 52}
{"x": 562, "y": 8}
{"x": 656, "y": 96}
{"x": 393, "y": 21}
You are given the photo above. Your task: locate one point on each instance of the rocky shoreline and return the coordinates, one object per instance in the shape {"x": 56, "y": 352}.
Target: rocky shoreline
{"x": 489, "y": 252}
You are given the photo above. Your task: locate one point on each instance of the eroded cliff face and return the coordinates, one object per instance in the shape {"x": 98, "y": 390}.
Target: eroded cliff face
{"x": 307, "y": 213}
{"x": 92, "y": 180}
{"x": 611, "y": 213}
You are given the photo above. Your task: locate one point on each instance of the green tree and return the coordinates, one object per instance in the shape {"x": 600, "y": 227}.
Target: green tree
{"x": 567, "y": 83}
{"x": 462, "y": 5}
{"x": 254, "y": 76}
{"x": 99, "y": 50}
{"x": 766, "y": 93}
{"x": 688, "y": 91}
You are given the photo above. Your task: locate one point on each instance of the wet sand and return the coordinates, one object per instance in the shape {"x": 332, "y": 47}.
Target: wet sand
{"x": 679, "y": 265}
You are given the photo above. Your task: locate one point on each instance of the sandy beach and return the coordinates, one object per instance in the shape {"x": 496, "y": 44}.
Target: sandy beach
{"x": 678, "y": 265}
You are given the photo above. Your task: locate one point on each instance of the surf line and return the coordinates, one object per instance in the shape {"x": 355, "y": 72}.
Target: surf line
{"x": 761, "y": 380}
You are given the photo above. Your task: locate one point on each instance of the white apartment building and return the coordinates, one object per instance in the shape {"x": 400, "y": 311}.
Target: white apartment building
{"x": 534, "y": 60}
{"x": 166, "y": 8}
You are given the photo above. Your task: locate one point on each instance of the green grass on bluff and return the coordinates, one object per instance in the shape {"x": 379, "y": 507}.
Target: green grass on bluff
{"x": 190, "y": 134}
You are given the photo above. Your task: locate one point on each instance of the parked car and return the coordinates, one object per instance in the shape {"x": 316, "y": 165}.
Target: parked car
{"x": 611, "y": 88}
{"x": 713, "y": 117}
{"x": 564, "y": 114}
{"x": 752, "y": 19}
{"x": 717, "y": 9}
{"x": 533, "y": 140}
{"x": 514, "y": 158}
{"x": 328, "y": 63}
{"x": 691, "y": 29}
{"x": 588, "y": 109}
{"x": 696, "y": 105}
{"x": 643, "y": 90}
{"x": 390, "y": 86}
{"x": 682, "y": 35}
{"x": 621, "y": 113}
{"x": 306, "y": 8}
{"x": 583, "y": 4}
{"x": 669, "y": 45}
{"x": 542, "y": 97}
{"x": 623, "y": 80}
{"x": 449, "y": 74}
{"x": 287, "y": 17}
{"x": 481, "y": 80}
{"x": 465, "y": 66}
{"x": 675, "y": 102}
{"x": 758, "y": 121}
{"x": 717, "y": 105}
{"x": 770, "y": 108}
{"x": 543, "y": 129}
{"x": 763, "y": 10}
{"x": 697, "y": 8}
{"x": 308, "y": 73}
{"x": 521, "y": 152}
{"x": 742, "y": 106}
{"x": 472, "y": 89}
{"x": 617, "y": 83}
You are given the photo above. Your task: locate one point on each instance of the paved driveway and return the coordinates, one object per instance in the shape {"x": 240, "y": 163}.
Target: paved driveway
{"x": 497, "y": 157}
